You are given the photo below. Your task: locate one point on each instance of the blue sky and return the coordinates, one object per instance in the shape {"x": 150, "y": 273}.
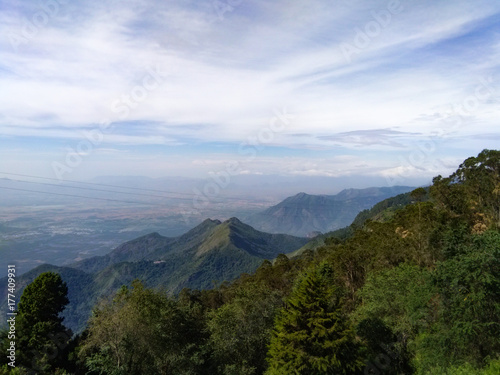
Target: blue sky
{"x": 397, "y": 89}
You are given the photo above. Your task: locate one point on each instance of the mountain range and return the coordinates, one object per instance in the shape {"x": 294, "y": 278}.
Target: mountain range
{"x": 309, "y": 215}
{"x": 209, "y": 254}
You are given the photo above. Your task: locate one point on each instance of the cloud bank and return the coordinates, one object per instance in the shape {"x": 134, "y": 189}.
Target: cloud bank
{"x": 183, "y": 80}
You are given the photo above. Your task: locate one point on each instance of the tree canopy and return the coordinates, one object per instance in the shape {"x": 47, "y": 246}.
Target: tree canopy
{"x": 42, "y": 338}
{"x": 412, "y": 290}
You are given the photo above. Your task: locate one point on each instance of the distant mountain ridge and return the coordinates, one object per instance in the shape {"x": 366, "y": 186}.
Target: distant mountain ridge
{"x": 382, "y": 211}
{"x": 304, "y": 214}
{"x": 210, "y": 253}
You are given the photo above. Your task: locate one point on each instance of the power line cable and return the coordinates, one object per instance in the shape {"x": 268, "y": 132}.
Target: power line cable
{"x": 212, "y": 199}
{"x": 93, "y": 183}
{"x": 73, "y": 195}
{"x": 120, "y": 192}
{"x": 109, "y": 185}
{"x": 333, "y": 205}
{"x": 93, "y": 189}
{"x": 103, "y": 199}
{"x": 289, "y": 205}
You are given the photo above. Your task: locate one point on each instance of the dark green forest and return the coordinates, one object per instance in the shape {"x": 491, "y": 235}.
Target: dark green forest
{"x": 412, "y": 287}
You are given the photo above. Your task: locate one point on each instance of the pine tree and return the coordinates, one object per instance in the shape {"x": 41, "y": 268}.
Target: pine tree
{"x": 42, "y": 336}
{"x": 311, "y": 335}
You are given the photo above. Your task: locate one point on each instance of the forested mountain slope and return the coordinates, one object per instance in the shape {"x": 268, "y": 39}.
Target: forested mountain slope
{"x": 381, "y": 212}
{"x": 204, "y": 257}
{"x": 305, "y": 214}
{"x": 414, "y": 293}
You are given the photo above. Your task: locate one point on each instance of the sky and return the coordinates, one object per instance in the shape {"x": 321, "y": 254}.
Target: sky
{"x": 392, "y": 89}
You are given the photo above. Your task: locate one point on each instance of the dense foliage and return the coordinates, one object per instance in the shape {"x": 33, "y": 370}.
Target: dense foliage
{"x": 41, "y": 340}
{"x": 312, "y": 335}
{"x": 412, "y": 290}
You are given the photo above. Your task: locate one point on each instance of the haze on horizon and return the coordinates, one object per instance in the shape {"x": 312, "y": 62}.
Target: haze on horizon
{"x": 390, "y": 91}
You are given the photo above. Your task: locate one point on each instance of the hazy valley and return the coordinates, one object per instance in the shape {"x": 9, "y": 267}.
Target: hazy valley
{"x": 100, "y": 249}
{"x": 55, "y": 228}
{"x": 230, "y": 187}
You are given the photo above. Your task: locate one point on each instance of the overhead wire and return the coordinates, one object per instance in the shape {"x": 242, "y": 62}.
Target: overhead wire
{"x": 106, "y": 199}
{"x": 108, "y": 185}
{"x": 71, "y": 195}
{"x": 212, "y": 209}
{"x": 93, "y": 189}
{"x": 211, "y": 200}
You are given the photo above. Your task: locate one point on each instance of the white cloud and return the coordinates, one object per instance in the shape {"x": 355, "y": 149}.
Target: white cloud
{"x": 222, "y": 78}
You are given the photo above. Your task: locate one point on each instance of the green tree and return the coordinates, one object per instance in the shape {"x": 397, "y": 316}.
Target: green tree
{"x": 384, "y": 351}
{"x": 399, "y": 297}
{"x": 418, "y": 194}
{"x": 42, "y": 337}
{"x": 472, "y": 191}
{"x": 311, "y": 333}
{"x": 240, "y": 330}
{"x": 142, "y": 331}
{"x": 467, "y": 319}
{"x": 393, "y": 311}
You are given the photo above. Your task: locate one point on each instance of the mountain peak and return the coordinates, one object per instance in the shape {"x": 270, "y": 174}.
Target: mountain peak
{"x": 211, "y": 251}
{"x": 234, "y": 221}
{"x": 301, "y": 195}
{"x": 210, "y": 222}
{"x": 304, "y": 213}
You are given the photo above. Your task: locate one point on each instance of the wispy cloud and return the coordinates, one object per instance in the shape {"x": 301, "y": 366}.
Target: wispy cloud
{"x": 223, "y": 74}
{"x": 375, "y": 137}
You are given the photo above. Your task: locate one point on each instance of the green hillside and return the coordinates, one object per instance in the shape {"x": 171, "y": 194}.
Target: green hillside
{"x": 305, "y": 214}
{"x": 204, "y": 257}
{"x": 381, "y": 212}
{"x": 414, "y": 289}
